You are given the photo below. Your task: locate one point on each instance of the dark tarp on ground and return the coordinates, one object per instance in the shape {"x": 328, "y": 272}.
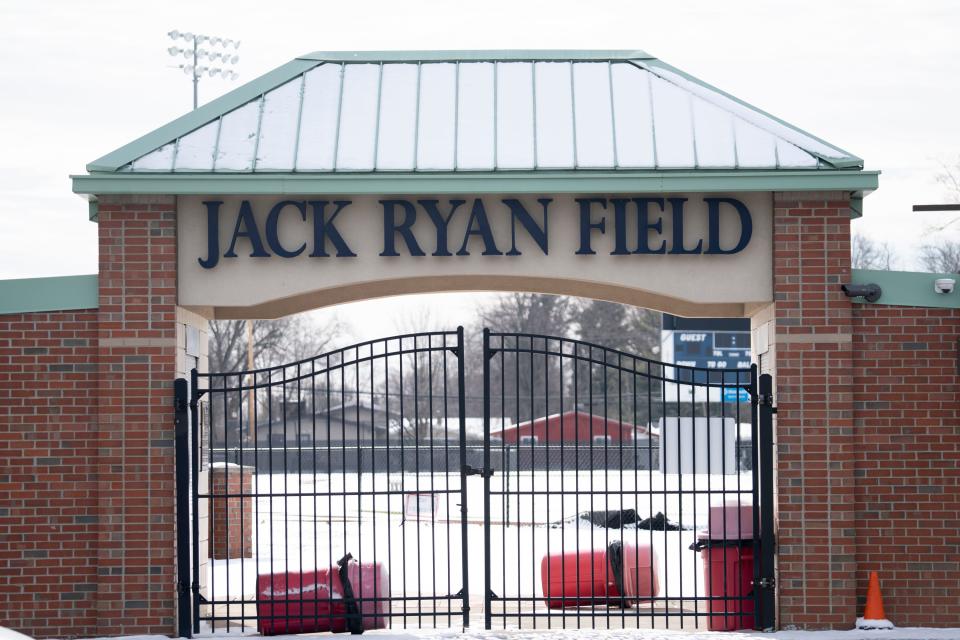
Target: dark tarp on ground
{"x": 623, "y": 518}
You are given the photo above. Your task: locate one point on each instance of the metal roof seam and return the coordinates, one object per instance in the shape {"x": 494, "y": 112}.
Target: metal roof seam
{"x": 693, "y": 131}
{"x": 296, "y": 135}
{"x": 456, "y": 115}
{"x": 216, "y": 145}
{"x": 173, "y": 157}
{"x": 336, "y": 129}
{"x": 573, "y": 116}
{"x": 613, "y": 116}
{"x": 736, "y": 148}
{"x": 376, "y": 120}
{"x": 653, "y": 120}
{"x": 776, "y": 154}
{"x": 533, "y": 113}
{"x": 496, "y": 107}
{"x": 256, "y": 140}
{"x": 416, "y": 117}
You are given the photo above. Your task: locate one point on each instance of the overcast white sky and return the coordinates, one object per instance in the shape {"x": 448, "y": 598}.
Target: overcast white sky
{"x": 880, "y": 79}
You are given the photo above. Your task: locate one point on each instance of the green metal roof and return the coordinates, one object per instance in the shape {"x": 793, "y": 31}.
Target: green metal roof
{"x": 477, "y": 121}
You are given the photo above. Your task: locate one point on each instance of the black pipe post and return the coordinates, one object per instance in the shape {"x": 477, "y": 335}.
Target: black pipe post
{"x": 767, "y": 543}
{"x": 181, "y": 441}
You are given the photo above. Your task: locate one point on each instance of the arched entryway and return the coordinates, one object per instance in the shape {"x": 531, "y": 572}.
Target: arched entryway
{"x": 640, "y": 189}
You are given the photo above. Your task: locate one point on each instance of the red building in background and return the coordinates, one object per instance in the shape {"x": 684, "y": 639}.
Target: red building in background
{"x": 572, "y": 426}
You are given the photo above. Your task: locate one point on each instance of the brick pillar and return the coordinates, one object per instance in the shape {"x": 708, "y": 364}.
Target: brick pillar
{"x": 136, "y": 367}
{"x": 811, "y": 337}
{"x": 231, "y": 518}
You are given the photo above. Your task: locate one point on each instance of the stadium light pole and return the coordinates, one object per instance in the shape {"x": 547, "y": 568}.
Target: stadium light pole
{"x": 222, "y": 52}
{"x": 227, "y": 62}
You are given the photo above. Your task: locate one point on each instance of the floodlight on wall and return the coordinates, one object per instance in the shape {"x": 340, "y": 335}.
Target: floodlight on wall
{"x": 193, "y": 53}
{"x": 869, "y": 292}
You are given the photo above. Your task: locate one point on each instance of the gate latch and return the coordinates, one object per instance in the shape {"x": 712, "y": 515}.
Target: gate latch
{"x": 473, "y": 471}
{"x": 766, "y": 583}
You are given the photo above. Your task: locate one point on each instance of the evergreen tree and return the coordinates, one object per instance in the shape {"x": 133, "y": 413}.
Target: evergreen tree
{"x": 613, "y": 371}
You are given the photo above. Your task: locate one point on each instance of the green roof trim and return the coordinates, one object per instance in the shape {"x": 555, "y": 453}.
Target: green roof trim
{"x": 60, "y": 293}
{"x": 577, "y": 181}
{"x": 489, "y": 55}
{"x": 195, "y": 119}
{"x": 907, "y": 288}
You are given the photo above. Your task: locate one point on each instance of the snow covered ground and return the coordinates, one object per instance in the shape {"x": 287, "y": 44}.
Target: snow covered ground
{"x": 311, "y": 521}
{"x": 647, "y": 634}
{"x": 423, "y": 555}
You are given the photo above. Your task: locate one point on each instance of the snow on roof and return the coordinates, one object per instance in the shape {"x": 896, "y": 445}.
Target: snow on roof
{"x": 463, "y": 111}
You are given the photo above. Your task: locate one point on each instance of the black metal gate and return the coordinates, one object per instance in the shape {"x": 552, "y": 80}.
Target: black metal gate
{"x": 355, "y": 452}
{"x": 605, "y": 466}
{"x": 580, "y": 454}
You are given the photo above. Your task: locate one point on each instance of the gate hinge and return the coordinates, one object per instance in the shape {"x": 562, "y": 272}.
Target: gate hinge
{"x": 765, "y": 583}
{"x": 467, "y": 470}
{"x": 183, "y": 586}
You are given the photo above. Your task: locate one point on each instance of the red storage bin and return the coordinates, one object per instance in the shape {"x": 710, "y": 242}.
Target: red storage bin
{"x": 728, "y": 572}
{"x": 620, "y": 574}
{"x": 314, "y": 600}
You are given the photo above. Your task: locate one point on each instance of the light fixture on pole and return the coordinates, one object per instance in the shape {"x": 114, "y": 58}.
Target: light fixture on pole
{"x": 222, "y": 51}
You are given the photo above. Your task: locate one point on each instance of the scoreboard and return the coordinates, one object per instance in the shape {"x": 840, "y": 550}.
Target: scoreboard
{"x": 706, "y": 343}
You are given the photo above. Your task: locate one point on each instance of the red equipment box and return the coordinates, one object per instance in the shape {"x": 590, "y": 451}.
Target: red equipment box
{"x": 314, "y": 600}
{"x": 621, "y": 574}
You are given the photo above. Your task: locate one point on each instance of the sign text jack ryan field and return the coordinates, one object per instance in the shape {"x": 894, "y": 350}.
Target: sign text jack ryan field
{"x": 464, "y": 227}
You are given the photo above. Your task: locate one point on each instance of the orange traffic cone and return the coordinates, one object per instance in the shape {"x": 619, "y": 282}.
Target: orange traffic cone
{"x": 873, "y": 615}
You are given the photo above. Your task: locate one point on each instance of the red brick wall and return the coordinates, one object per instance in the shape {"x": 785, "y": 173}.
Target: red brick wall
{"x": 868, "y": 439}
{"x": 814, "y": 424}
{"x": 231, "y": 518}
{"x": 907, "y": 460}
{"x": 137, "y": 366}
{"x": 48, "y": 475}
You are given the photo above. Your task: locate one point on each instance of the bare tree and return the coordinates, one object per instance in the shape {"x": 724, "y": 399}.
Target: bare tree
{"x": 949, "y": 178}
{"x": 422, "y": 377}
{"x": 530, "y": 383}
{"x": 634, "y": 331}
{"x": 866, "y": 253}
{"x": 619, "y": 326}
{"x": 942, "y": 254}
{"x": 275, "y": 342}
{"x": 941, "y": 257}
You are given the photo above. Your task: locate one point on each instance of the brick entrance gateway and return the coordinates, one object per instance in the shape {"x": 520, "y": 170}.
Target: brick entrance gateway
{"x": 867, "y": 440}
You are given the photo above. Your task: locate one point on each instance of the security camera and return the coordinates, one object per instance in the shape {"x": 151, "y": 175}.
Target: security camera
{"x": 944, "y": 285}
{"x": 869, "y": 292}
